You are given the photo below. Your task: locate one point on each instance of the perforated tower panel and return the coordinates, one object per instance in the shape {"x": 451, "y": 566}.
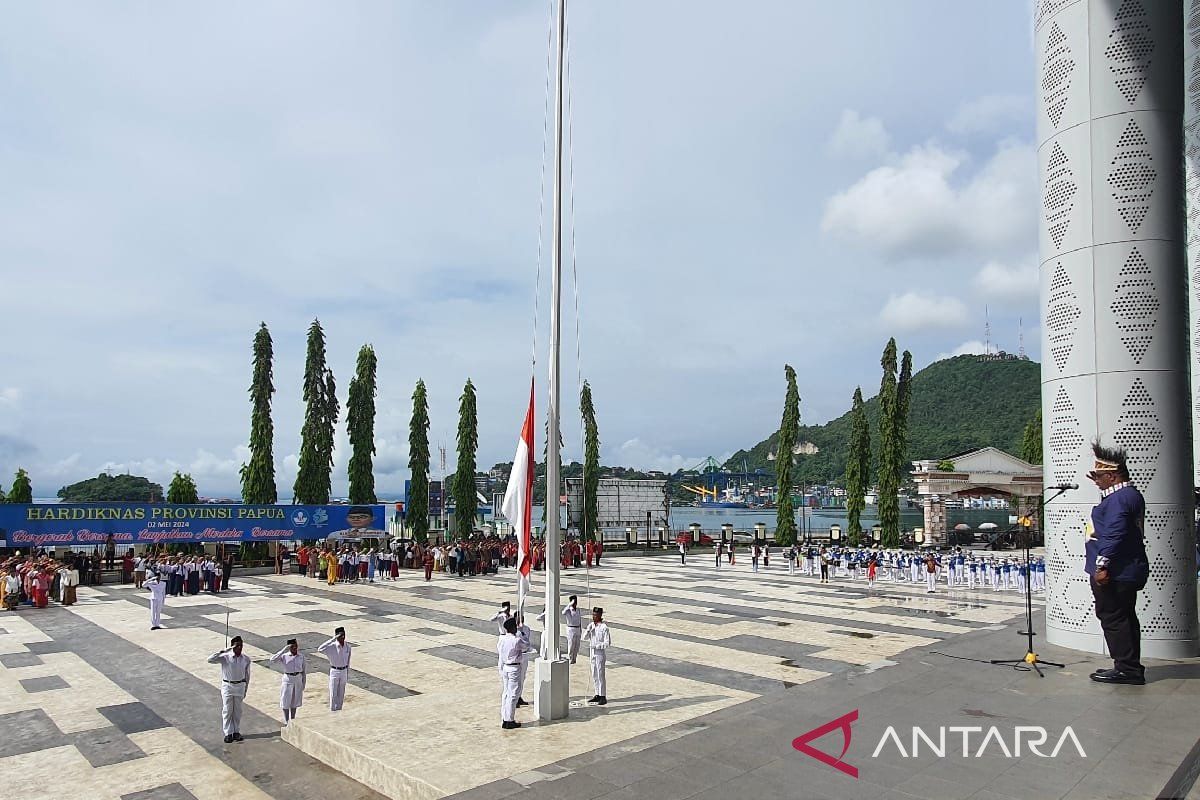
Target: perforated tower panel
{"x": 1115, "y": 317}
{"x": 1191, "y": 156}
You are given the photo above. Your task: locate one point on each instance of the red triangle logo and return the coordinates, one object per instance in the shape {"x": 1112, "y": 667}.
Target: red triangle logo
{"x": 843, "y": 723}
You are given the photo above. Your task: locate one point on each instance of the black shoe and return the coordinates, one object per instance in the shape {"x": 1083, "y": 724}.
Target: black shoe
{"x": 228, "y": 740}
{"x": 595, "y": 699}
{"x": 156, "y": 627}
{"x": 1116, "y": 676}
{"x": 1102, "y": 671}
{"x": 514, "y": 725}
{"x": 237, "y": 737}
{"x": 521, "y": 702}
{"x": 603, "y": 701}
{"x": 506, "y": 725}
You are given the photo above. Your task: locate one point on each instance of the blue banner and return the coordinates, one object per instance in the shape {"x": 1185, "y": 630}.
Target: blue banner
{"x": 130, "y": 524}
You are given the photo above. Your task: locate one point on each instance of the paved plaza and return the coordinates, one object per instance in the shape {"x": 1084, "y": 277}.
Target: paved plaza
{"x": 712, "y": 676}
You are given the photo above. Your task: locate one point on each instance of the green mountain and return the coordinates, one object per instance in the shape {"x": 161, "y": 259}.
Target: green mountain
{"x": 112, "y": 488}
{"x": 958, "y": 404}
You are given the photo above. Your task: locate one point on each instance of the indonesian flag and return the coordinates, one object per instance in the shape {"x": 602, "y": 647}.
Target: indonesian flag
{"x": 518, "y": 501}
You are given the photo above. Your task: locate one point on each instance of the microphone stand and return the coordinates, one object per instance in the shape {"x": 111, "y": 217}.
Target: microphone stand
{"x": 1031, "y": 658}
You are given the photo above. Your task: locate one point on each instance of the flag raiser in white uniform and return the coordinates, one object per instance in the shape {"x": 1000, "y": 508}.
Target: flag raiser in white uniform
{"x": 518, "y": 500}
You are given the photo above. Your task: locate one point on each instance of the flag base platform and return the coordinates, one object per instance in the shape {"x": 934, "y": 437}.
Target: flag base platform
{"x": 448, "y": 739}
{"x": 551, "y": 690}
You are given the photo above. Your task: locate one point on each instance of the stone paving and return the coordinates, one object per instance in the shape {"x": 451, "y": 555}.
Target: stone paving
{"x": 712, "y": 675}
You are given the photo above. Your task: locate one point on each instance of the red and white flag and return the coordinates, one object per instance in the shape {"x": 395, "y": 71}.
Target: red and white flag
{"x": 518, "y": 501}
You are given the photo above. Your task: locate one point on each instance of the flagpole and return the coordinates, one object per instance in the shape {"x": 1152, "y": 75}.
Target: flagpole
{"x": 553, "y": 693}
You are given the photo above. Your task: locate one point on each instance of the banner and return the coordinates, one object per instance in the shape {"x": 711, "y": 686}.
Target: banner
{"x": 90, "y": 524}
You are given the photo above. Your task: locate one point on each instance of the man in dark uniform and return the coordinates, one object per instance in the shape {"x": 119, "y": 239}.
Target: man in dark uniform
{"x": 1117, "y": 563}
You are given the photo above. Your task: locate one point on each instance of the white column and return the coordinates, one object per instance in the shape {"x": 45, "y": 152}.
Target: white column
{"x": 1114, "y": 327}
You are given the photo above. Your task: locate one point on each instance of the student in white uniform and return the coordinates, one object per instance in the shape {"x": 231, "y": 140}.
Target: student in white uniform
{"x": 337, "y": 650}
{"x": 158, "y": 598}
{"x": 573, "y": 619}
{"x": 235, "y": 682}
{"x": 500, "y": 616}
{"x": 598, "y": 640}
{"x": 524, "y": 634}
{"x": 509, "y": 656}
{"x": 291, "y": 685}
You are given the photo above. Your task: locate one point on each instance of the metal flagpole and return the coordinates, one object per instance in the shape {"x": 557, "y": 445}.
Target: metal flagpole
{"x": 551, "y": 701}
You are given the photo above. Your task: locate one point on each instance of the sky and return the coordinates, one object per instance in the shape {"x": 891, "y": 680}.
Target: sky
{"x": 754, "y": 185}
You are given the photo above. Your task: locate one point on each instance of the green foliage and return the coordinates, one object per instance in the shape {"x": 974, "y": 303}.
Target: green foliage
{"x": 945, "y": 465}
{"x": 22, "y": 488}
{"x": 182, "y": 490}
{"x": 591, "y": 464}
{"x": 464, "y": 474}
{"x": 957, "y": 405}
{"x": 1031, "y": 440}
{"x": 785, "y": 515}
{"x": 417, "y": 501}
{"x": 360, "y": 424}
{"x": 313, "y": 476}
{"x": 858, "y": 466}
{"x": 258, "y": 475}
{"x": 889, "y": 484}
{"x": 112, "y": 488}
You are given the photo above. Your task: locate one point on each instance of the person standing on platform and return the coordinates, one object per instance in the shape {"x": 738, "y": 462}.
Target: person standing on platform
{"x": 291, "y": 687}
{"x": 337, "y": 650}
{"x": 525, "y": 635}
{"x": 158, "y": 598}
{"x": 501, "y": 616}
{"x": 598, "y": 640}
{"x": 1117, "y": 564}
{"x": 573, "y": 619}
{"x": 235, "y": 682}
{"x": 509, "y": 651}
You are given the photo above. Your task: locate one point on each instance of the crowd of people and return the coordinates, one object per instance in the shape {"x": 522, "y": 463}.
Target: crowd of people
{"x": 34, "y": 580}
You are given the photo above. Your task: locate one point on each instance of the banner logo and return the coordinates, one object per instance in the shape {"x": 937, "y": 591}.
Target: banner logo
{"x": 843, "y": 723}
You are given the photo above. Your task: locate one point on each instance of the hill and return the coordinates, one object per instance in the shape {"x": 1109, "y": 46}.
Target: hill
{"x": 958, "y": 404}
{"x": 112, "y": 488}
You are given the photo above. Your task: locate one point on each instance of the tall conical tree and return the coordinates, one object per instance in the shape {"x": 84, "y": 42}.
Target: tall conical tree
{"x": 889, "y": 504}
{"x": 789, "y": 431}
{"x": 182, "y": 489}
{"x": 258, "y": 475}
{"x": 858, "y": 466}
{"x": 313, "y": 476}
{"x": 1031, "y": 440}
{"x": 417, "y": 508}
{"x": 22, "y": 488}
{"x": 360, "y": 424}
{"x": 591, "y": 464}
{"x": 464, "y": 475}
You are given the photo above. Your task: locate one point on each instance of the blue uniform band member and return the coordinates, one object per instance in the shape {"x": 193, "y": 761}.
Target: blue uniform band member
{"x": 1117, "y": 563}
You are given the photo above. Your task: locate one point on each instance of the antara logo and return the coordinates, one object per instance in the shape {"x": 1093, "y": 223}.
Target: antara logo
{"x": 975, "y": 742}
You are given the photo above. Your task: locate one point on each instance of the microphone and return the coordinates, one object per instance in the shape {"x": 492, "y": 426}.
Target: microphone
{"x": 1062, "y": 487}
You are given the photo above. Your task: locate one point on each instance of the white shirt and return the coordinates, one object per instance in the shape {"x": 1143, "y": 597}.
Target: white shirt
{"x": 158, "y": 590}
{"x": 571, "y": 616}
{"x": 291, "y": 663}
{"x": 499, "y": 618}
{"x": 597, "y": 635}
{"x": 508, "y": 651}
{"x": 235, "y": 670}
{"x": 338, "y": 654}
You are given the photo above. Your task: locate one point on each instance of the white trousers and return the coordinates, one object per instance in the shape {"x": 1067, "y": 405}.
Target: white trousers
{"x": 291, "y": 691}
{"x": 931, "y": 579}
{"x": 337, "y": 688}
{"x": 522, "y": 671}
{"x": 231, "y": 709}
{"x": 573, "y": 636}
{"x": 508, "y": 693}
{"x": 156, "y": 607}
{"x": 598, "y": 673}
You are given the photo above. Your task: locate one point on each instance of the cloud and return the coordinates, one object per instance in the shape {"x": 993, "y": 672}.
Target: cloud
{"x": 923, "y": 206}
{"x": 966, "y": 348}
{"x": 916, "y": 311}
{"x": 1015, "y": 285}
{"x": 648, "y": 456}
{"x": 990, "y": 113}
{"x": 857, "y": 136}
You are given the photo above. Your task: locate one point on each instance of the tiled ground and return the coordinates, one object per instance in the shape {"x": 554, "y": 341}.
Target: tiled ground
{"x": 91, "y": 690}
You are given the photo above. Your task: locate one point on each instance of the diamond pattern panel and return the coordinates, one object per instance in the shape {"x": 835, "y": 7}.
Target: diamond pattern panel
{"x": 1130, "y": 49}
{"x": 1069, "y": 596}
{"x": 1062, "y": 316}
{"x": 1171, "y": 587}
{"x": 1066, "y": 438}
{"x": 1058, "y": 196}
{"x": 1132, "y": 176}
{"x": 1136, "y": 305}
{"x": 1139, "y": 431}
{"x": 1046, "y": 9}
{"x": 1058, "y": 67}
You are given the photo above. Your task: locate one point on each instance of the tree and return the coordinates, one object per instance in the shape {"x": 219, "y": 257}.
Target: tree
{"x": 258, "y": 474}
{"x": 1031, "y": 440}
{"x": 360, "y": 424}
{"x": 418, "y": 465}
{"x": 889, "y": 483}
{"x": 789, "y": 429}
{"x": 22, "y": 488}
{"x": 464, "y": 475}
{"x": 182, "y": 490}
{"x": 591, "y": 464}
{"x": 858, "y": 466}
{"x": 545, "y": 473}
{"x": 109, "y": 488}
{"x": 313, "y": 476}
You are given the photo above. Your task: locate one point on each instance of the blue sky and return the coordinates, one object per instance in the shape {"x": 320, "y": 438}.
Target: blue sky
{"x": 778, "y": 182}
